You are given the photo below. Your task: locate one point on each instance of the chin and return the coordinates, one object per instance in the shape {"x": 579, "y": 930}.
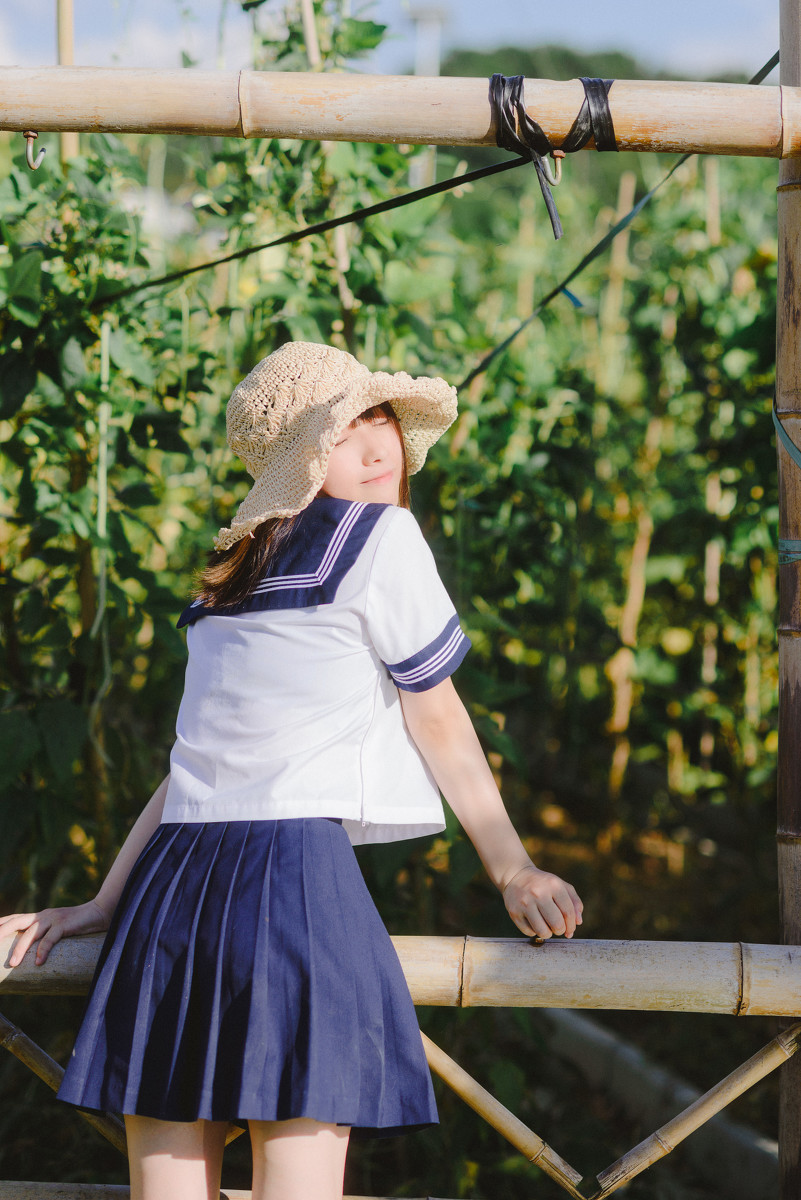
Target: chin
{"x": 386, "y": 495}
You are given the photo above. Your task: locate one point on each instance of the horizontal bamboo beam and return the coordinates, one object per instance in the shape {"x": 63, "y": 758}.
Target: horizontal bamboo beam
{"x": 737, "y": 978}
{"x": 704, "y": 118}
{"x": 23, "y": 1190}
{"x": 718, "y": 977}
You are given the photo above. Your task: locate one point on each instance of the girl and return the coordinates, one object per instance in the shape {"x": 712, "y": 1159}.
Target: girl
{"x": 246, "y": 974}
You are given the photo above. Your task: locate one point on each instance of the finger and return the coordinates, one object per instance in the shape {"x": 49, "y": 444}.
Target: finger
{"x": 558, "y": 910}
{"x": 521, "y": 921}
{"x": 550, "y": 912}
{"x": 578, "y": 904}
{"x": 47, "y": 942}
{"x": 23, "y": 943}
{"x": 568, "y": 911}
{"x": 532, "y": 923}
{"x": 15, "y": 923}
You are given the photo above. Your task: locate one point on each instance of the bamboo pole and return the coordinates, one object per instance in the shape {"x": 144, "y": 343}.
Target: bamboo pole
{"x": 736, "y": 978}
{"x": 66, "y": 58}
{"x": 733, "y": 1159}
{"x": 671, "y": 1134}
{"x": 35, "y": 1058}
{"x": 788, "y": 408}
{"x": 13, "y": 1190}
{"x": 612, "y": 326}
{"x": 49, "y": 1071}
{"x": 530, "y": 1144}
{"x": 704, "y": 118}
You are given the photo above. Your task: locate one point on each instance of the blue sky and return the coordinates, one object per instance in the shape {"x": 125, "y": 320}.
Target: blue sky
{"x": 697, "y": 37}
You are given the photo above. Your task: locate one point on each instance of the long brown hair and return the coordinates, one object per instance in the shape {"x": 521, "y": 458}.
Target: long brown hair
{"x": 231, "y": 575}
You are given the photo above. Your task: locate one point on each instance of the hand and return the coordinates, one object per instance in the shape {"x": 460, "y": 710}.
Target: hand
{"x": 50, "y": 926}
{"x": 541, "y": 904}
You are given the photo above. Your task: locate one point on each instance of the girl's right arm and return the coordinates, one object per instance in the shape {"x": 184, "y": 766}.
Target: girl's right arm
{"x": 539, "y": 903}
{"x": 52, "y": 924}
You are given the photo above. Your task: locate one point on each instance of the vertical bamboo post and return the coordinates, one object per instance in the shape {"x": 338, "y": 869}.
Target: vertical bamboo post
{"x": 66, "y": 57}
{"x": 788, "y": 406}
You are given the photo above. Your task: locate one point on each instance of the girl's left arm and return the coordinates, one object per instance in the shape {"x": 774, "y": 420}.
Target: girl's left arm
{"x": 539, "y": 903}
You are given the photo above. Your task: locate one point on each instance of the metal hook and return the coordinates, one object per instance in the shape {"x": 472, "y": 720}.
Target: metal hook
{"x": 553, "y": 174}
{"x": 36, "y": 163}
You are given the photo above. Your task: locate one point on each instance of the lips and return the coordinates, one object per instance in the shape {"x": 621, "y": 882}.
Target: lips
{"x": 385, "y": 478}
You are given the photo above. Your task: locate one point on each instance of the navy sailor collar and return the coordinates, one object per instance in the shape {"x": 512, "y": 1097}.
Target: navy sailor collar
{"x": 327, "y": 539}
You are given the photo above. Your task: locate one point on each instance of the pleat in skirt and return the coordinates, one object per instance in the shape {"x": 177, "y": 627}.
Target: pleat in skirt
{"x": 247, "y": 975}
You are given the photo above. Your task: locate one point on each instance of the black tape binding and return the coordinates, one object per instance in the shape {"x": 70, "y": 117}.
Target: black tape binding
{"x": 516, "y": 131}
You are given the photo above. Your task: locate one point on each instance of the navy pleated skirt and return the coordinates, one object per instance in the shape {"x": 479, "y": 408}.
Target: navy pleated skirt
{"x": 247, "y": 975}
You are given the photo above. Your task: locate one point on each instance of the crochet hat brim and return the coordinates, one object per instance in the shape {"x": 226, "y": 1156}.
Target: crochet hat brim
{"x": 295, "y": 464}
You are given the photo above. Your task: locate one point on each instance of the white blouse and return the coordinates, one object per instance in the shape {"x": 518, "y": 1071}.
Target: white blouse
{"x": 291, "y": 704}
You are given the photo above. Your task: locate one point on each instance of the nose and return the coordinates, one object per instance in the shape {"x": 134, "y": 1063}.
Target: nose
{"x": 373, "y": 445}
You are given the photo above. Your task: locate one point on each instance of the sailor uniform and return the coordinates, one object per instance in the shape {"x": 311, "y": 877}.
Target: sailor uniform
{"x": 246, "y": 973}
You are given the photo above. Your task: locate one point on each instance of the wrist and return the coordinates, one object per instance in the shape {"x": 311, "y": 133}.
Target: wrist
{"x": 509, "y": 876}
{"x": 105, "y": 914}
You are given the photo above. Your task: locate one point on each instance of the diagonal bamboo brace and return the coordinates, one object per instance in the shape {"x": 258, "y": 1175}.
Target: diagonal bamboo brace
{"x": 48, "y": 1070}
{"x": 484, "y": 1103}
{"x": 38, "y": 1061}
{"x": 659, "y": 1144}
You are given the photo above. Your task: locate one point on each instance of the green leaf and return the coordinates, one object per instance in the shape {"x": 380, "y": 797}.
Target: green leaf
{"x": 508, "y": 1082}
{"x": 62, "y": 726}
{"x": 17, "y": 378}
{"x": 161, "y": 429}
{"x": 405, "y": 285}
{"x": 672, "y": 567}
{"x": 342, "y": 161}
{"x": 129, "y": 356}
{"x": 463, "y": 865}
{"x": 24, "y": 289}
{"x": 24, "y": 276}
{"x": 653, "y": 668}
{"x": 19, "y": 744}
{"x": 359, "y": 36}
{"x": 49, "y": 390}
{"x": 411, "y": 220}
{"x": 137, "y": 495}
{"x": 73, "y": 365}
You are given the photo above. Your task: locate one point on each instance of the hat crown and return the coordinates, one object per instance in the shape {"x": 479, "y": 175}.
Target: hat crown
{"x": 294, "y": 379}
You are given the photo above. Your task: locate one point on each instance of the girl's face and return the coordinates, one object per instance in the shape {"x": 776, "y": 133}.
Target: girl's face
{"x": 366, "y": 463}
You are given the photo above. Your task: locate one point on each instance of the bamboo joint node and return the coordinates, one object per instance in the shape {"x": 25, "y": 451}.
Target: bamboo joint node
{"x": 666, "y": 1145}
{"x": 743, "y": 983}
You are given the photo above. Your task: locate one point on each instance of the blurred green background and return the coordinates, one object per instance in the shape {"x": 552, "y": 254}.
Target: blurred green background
{"x": 603, "y": 512}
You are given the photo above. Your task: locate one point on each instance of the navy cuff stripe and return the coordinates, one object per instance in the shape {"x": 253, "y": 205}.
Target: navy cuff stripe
{"x": 435, "y": 662}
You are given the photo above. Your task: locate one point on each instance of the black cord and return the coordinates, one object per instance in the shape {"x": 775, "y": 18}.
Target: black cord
{"x": 360, "y": 214}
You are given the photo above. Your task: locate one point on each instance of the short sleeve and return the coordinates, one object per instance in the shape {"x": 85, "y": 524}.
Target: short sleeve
{"x": 410, "y": 617}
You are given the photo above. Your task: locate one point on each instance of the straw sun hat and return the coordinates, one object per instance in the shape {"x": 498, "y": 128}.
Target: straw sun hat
{"x": 285, "y": 417}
